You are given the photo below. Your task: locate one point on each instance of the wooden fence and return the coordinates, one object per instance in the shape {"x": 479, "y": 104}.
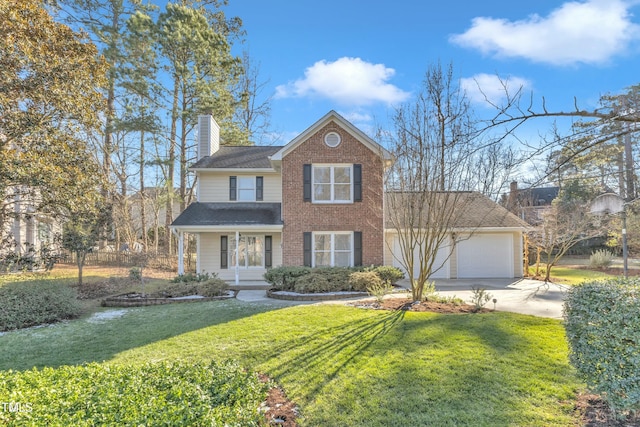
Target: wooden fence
{"x": 129, "y": 259}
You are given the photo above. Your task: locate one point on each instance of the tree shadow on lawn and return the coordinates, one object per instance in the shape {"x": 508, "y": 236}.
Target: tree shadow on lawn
{"x": 102, "y": 336}
{"x": 473, "y": 370}
{"x": 425, "y": 369}
{"x": 319, "y": 357}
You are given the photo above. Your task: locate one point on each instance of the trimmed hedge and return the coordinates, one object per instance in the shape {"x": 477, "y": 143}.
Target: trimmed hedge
{"x": 327, "y": 279}
{"x": 153, "y": 394}
{"x": 602, "y": 322}
{"x": 208, "y": 288}
{"x": 25, "y": 304}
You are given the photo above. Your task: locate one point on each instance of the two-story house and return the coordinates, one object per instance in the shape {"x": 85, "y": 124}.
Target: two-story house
{"x": 316, "y": 201}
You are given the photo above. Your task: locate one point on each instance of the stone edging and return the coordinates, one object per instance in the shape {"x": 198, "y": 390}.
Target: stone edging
{"x": 290, "y": 296}
{"x": 122, "y": 301}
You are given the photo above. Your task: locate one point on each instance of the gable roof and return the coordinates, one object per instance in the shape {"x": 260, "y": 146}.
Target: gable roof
{"x": 344, "y": 123}
{"x": 476, "y": 211}
{"x": 238, "y": 157}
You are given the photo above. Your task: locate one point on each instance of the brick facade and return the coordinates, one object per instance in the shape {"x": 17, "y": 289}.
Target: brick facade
{"x": 300, "y": 216}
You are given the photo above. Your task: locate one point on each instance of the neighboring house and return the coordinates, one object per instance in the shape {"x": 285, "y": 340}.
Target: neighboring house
{"x": 530, "y": 203}
{"x": 317, "y": 201}
{"x": 29, "y": 229}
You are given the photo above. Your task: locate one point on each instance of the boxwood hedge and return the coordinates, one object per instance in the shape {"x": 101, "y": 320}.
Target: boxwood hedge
{"x": 24, "y": 304}
{"x": 152, "y": 394}
{"x": 326, "y": 279}
{"x": 602, "y": 321}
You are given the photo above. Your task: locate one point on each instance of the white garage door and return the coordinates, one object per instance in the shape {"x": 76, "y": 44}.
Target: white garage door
{"x": 442, "y": 259}
{"x": 485, "y": 256}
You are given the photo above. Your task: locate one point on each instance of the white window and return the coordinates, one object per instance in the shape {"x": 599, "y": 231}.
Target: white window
{"x": 250, "y": 251}
{"x": 332, "y": 249}
{"x": 332, "y": 183}
{"x": 247, "y": 188}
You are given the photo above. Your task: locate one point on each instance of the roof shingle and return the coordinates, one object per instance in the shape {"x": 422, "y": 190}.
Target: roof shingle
{"x": 232, "y": 157}
{"x": 212, "y": 214}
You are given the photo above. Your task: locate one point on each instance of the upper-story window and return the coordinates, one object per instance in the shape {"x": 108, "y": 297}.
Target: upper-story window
{"x": 246, "y": 188}
{"x": 332, "y": 183}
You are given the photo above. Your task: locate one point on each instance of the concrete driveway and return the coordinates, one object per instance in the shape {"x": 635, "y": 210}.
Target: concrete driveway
{"x": 524, "y": 296}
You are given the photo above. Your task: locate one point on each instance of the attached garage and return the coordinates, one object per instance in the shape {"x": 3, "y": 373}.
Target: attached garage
{"x": 442, "y": 262}
{"x": 488, "y": 241}
{"x": 486, "y": 256}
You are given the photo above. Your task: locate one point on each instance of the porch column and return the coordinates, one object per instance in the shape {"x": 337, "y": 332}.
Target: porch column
{"x": 180, "y": 253}
{"x": 237, "y": 257}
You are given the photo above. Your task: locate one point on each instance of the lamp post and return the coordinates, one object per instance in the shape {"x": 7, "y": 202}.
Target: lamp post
{"x": 611, "y": 203}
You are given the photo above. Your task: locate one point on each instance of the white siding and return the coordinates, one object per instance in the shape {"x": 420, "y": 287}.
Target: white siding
{"x": 214, "y": 186}
{"x": 210, "y": 256}
{"x": 442, "y": 262}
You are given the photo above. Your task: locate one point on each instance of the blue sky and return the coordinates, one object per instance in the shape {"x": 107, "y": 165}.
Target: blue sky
{"x": 361, "y": 58}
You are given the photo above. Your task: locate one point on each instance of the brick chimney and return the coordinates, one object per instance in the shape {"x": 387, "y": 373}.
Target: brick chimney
{"x": 208, "y": 136}
{"x": 512, "y": 201}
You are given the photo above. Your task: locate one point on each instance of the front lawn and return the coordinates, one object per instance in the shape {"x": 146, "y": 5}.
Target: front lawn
{"x": 572, "y": 275}
{"x": 342, "y": 365}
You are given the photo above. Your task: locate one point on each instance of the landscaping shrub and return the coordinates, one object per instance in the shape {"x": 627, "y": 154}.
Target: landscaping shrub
{"x": 603, "y": 330}
{"x": 210, "y": 288}
{"x": 306, "y": 279}
{"x": 178, "y": 393}
{"x": 213, "y": 288}
{"x": 600, "y": 259}
{"x": 361, "y": 281}
{"x": 284, "y": 278}
{"x": 480, "y": 297}
{"x": 313, "y": 283}
{"x": 193, "y": 277}
{"x": 389, "y": 275}
{"x": 24, "y": 304}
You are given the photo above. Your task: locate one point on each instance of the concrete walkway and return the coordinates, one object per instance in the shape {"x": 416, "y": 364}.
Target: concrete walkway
{"x": 522, "y": 296}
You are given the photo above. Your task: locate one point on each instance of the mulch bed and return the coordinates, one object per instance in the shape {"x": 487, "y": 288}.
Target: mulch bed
{"x": 595, "y": 412}
{"x": 278, "y": 410}
{"x": 406, "y": 304}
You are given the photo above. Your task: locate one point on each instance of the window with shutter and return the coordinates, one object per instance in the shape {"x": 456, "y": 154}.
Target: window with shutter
{"x": 224, "y": 252}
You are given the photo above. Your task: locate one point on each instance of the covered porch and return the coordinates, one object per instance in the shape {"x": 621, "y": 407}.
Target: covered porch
{"x": 236, "y": 241}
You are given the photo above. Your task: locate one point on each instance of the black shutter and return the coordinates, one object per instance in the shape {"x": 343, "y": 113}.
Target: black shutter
{"x": 307, "y": 248}
{"x": 306, "y": 182}
{"x": 259, "y": 188}
{"x": 233, "y": 188}
{"x": 224, "y": 252}
{"x": 357, "y": 183}
{"x": 357, "y": 248}
{"x": 268, "y": 252}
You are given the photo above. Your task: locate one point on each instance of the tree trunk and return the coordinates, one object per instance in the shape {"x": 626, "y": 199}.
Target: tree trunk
{"x": 80, "y": 257}
{"x": 171, "y": 166}
{"x": 143, "y": 209}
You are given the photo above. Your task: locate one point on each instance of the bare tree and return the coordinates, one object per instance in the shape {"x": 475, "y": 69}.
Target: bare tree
{"x": 563, "y": 225}
{"x": 436, "y": 177}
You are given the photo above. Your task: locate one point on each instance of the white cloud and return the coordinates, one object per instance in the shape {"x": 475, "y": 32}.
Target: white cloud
{"x": 483, "y": 88}
{"x": 356, "y": 117}
{"x": 348, "y": 81}
{"x": 589, "y": 32}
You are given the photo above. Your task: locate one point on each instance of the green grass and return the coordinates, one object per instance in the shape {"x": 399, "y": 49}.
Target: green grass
{"x": 573, "y": 276}
{"x": 344, "y": 366}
